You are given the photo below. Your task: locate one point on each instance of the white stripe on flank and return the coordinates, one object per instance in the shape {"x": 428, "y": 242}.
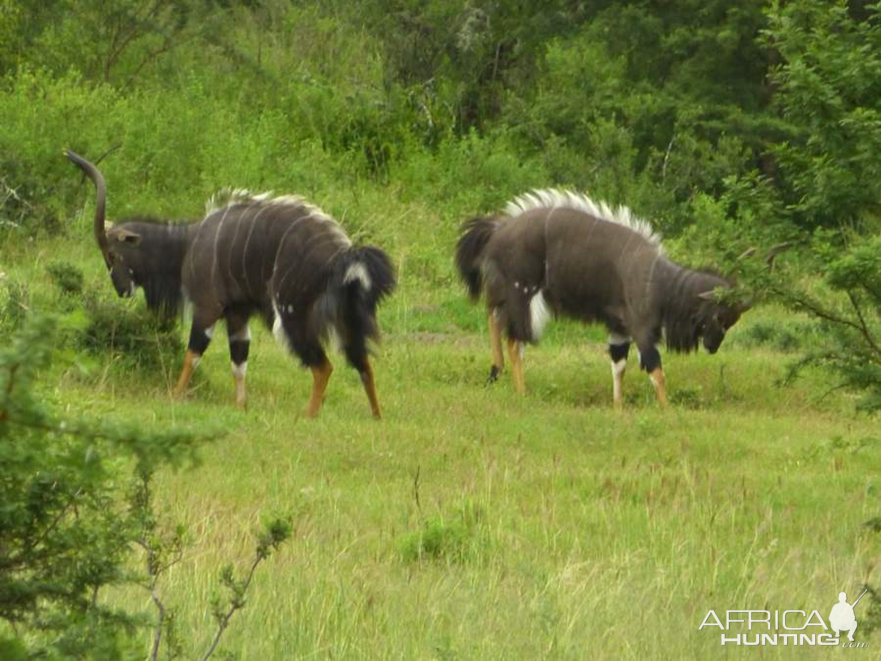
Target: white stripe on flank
{"x": 217, "y": 232}
{"x": 649, "y": 281}
{"x": 278, "y": 329}
{"x": 325, "y": 240}
{"x": 253, "y": 222}
{"x": 552, "y": 198}
{"x": 358, "y": 271}
{"x": 538, "y": 315}
{"x": 278, "y": 251}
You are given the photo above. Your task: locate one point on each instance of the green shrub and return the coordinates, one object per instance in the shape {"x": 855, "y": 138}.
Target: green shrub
{"x": 133, "y": 334}
{"x": 14, "y": 302}
{"x": 784, "y": 335}
{"x": 460, "y": 537}
{"x": 77, "y": 502}
{"x": 67, "y": 277}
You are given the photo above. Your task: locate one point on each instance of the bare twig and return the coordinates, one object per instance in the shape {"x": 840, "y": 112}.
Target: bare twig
{"x": 107, "y": 153}
{"x": 157, "y": 631}
{"x": 268, "y": 541}
{"x": 155, "y": 548}
{"x": 776, "y": 250}
{"x": 864, "y": 329}
{"x": 169, "y": 44}
{"x": 816, "y": 310}
{"x": 236, "y": 603}
{"x": 825, "y": 394}
{"x": 120, "y": 43}
{"x": 667, "y": 157}
{"x": 416, "y": 488}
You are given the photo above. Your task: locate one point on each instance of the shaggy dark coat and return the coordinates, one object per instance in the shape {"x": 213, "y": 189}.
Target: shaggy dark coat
{"x": 279, "y": 257}
{"x": 554, "y": 252}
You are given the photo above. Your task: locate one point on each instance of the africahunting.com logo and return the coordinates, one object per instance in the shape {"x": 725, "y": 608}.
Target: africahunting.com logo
{"x": 789, "y": 627}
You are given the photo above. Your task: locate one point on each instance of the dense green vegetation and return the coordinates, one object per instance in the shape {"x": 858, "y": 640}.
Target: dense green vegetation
{"x": 468, "y": 523}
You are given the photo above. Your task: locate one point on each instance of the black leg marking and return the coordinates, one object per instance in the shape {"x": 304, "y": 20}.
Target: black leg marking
{"x": 494, "y": 372}
{"x": 238, "y": 351}
{"x": 199, "y": 339}
{"x": 649, "y": 359}
{"x": 619, "y": 351}
{"x": 239, "y": 344}
{"x": 311, "y": 354}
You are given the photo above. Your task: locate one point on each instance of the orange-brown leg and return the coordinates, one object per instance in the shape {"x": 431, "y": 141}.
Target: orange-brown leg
{"x": 495, "y": 338}
{"x": 657, "y": 377}
{"x": 200, "y": 338}
{"x": 370, "y": 389}
{"x": 320, "y": 377}
{"x": 516, "y": 365}
{"x": 190, "y": 362}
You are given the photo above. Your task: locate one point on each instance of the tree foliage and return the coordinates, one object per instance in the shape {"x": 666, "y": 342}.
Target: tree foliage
{"x": 828, "y": 182}
{"x": 76, "y": 502}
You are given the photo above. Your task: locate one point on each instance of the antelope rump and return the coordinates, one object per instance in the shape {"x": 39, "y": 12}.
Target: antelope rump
{"x": 560, "y": 253}
{"x": 278, "y": 257}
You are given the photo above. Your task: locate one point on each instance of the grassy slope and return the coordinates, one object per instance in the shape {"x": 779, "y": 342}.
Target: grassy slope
{"x": 593, "y": 533}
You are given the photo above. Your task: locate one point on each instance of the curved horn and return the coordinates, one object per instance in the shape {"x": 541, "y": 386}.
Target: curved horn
{"x": 776, "y": 250}
{"x": 100, "y": 201}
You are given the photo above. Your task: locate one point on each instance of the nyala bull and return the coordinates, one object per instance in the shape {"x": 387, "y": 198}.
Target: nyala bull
{"x": 551, "y": 252}
{"x": 277, "y": 257}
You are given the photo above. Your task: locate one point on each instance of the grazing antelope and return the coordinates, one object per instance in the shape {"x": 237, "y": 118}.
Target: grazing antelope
{"x": 279, "y": 257}
{"x": 558, "y": 252}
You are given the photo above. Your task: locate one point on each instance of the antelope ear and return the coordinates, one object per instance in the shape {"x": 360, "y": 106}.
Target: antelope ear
{"x": 108, "y": 226}
{"x": 125, "y": 236}
{"x": 707, "y": 295}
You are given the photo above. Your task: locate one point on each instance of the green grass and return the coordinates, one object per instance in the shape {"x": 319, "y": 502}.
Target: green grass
{"x": 474, "y": 523}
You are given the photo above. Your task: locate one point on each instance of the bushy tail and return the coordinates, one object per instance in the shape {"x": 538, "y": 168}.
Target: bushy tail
{"x": 361, "y": 278}
{"x": 476, "y": 233}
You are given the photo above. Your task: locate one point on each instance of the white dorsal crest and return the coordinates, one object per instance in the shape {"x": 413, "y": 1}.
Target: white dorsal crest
{"x": 228, "y": 196}
{"x": 552, "y": 198}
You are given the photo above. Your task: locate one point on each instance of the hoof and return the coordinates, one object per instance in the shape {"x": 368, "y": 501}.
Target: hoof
{"x": 494, "y": 372}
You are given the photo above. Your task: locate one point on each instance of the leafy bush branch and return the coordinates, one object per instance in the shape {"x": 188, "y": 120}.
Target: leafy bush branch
{"x": 68, "y": 526}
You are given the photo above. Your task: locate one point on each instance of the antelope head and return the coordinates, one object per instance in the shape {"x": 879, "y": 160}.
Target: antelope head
{"x": 118, "y": 245}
